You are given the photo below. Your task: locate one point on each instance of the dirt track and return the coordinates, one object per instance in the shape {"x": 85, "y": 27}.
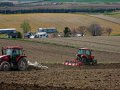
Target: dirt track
{"x": 58, "y": 76}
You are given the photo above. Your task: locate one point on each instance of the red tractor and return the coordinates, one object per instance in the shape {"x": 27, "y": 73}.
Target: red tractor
{"x": 13, "y": 58}
{"x": 84, "y": 56}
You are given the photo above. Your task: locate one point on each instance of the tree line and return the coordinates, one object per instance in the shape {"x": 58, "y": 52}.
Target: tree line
{"x": 87, "y": 10}
{"x": 92, "y": 30}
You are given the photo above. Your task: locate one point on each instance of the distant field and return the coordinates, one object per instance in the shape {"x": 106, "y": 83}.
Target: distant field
{"x": 84, "y": 0}
{"x": 115, "y": 15}
{"x": 71, "y": 0}
{"x": 58, "y": 20}
{"x": 109, "y": 18}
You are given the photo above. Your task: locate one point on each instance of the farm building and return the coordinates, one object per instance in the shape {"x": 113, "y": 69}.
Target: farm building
{"x": 41, "y": 35}
{"x": 28, "y": 34}
{"x": 10, "y": 32}
{"x": 48, "y": 30}
{"x": 13, "y": 35}
{"x": 7, "y": 31}
{"x": 52, "y": 32}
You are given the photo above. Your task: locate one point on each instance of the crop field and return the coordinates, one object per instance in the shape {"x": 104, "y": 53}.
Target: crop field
{"x": 115, "y": 15}
{"x": 115, "y": 20}
{"x": 103, "y": 76}
{"x": 58, "y": 20}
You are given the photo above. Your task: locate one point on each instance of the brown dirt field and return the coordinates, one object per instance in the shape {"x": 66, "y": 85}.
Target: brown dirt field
{"x": 59, "y": 77}
{"x": 100, "y": 43}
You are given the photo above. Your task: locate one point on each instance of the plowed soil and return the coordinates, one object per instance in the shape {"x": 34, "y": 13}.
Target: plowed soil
{"x": 105, "y": 75}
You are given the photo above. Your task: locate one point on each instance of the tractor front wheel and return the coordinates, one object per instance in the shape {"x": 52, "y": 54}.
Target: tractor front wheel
{"x": 22, "y": 64}
{"x": 5, "y": 66}
{"x": 85, "y": 61}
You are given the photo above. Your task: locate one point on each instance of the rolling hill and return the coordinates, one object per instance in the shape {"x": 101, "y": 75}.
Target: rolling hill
{"x": 58, "y": 20}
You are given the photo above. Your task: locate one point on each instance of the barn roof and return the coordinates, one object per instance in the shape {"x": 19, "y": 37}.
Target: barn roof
{"x": 8, "y": 29}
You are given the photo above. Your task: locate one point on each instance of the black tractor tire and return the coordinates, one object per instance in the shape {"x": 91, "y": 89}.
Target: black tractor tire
{"x": 85, "y": 61}
{"x": 5, "y": 66}
{"x": 79, "y": 58}
{"x": 22, "y": 64}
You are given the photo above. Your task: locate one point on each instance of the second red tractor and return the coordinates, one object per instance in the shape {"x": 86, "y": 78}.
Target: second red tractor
{"x": 84, "y": 56}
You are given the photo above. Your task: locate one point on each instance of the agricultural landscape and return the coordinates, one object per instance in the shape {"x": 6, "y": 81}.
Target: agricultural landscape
{"x": 105, "y": 75}
{"x": 54, "y": 51}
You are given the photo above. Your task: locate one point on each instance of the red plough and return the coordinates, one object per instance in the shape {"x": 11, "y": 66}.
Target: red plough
{"x": 73, "y": 63}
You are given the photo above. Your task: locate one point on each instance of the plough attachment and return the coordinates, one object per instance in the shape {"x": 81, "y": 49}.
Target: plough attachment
{"x": 36, "y": 65}
{"x": 73, "y": 63}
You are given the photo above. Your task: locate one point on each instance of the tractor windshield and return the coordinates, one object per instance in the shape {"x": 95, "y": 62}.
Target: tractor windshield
{"x": 88, "y": 52}
{"x": 83, "y": 51}
{"x": 8, "y": 52}
{"x": 80, "y": 51}
{"x": 12, "y": 52}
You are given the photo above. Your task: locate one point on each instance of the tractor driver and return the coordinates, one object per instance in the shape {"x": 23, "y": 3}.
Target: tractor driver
{"x": 14, "y": 53}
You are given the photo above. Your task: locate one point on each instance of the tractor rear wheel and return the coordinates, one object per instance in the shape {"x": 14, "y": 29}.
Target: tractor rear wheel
{"x": 5, "y": 66}
{"x": 22, "y": 64}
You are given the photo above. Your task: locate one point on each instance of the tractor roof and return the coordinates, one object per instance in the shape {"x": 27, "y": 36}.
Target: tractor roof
{"x": 85, "y": 48}
{"x": 13, "y": 47}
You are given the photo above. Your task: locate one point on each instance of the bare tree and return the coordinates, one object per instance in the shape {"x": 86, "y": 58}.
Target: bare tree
{"x": 73, "y": 32}
{"x": 54, "y": 35}
{"x": 95, "y": 29}
{"x": 109, "y": 31}
{"x": 82, "y": 29}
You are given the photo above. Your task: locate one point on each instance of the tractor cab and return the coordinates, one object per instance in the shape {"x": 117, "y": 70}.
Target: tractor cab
{"x": 12, "y": 51}
{"x": 84, "y": 51}
{"x": 13, "y": 57}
